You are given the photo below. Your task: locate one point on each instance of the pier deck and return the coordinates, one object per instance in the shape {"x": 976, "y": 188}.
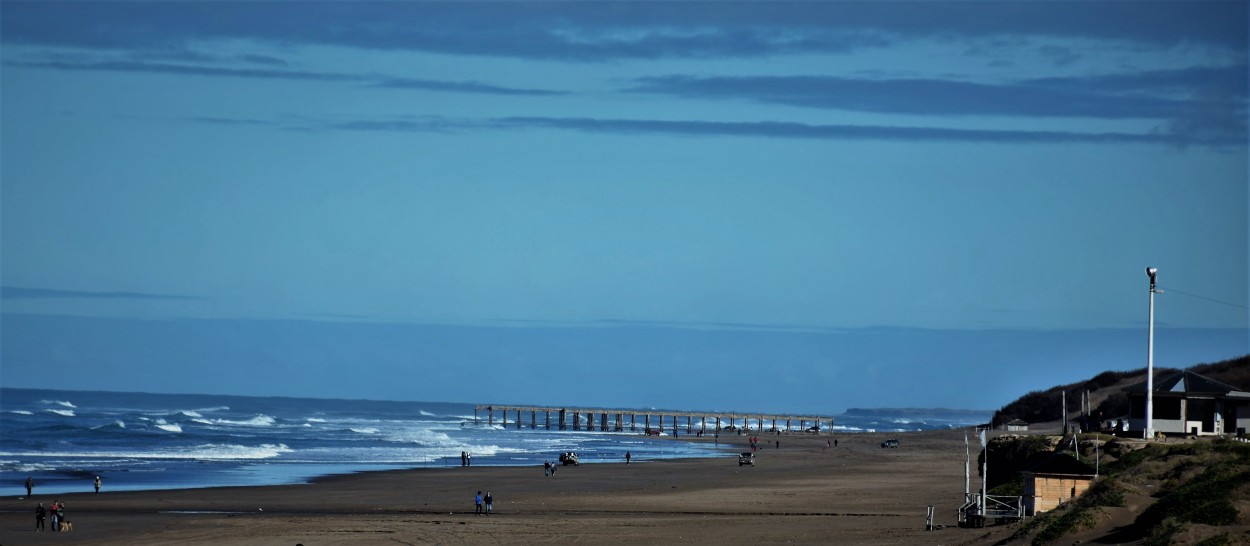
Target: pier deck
{"x": 614, "y": 420}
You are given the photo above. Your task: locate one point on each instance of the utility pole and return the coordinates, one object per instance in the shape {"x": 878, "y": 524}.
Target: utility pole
{"x": 1149, "y": 431}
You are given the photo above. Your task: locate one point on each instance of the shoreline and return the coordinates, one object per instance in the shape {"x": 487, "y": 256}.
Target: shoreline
{"x": 800, "y": 492}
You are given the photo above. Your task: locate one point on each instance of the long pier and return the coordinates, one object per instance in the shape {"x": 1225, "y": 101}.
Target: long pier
{"x": 614, "y": 420}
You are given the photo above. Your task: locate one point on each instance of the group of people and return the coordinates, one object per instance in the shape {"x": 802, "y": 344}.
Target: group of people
{"x": 466, "y": 458}
{"x": 483, "y": 504}
{"x": 57, "y": 511}
{"x": 755, "y": 442}
{"x": 549, "y": 469}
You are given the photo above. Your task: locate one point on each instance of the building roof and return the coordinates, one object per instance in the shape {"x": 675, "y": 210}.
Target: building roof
{"x": 1060, "y": 464}
{"x": 1189, "y": 383}
{"x": 1018, "y": 422}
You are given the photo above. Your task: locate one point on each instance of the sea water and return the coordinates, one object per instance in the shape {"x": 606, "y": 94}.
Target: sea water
{"x": 138, "y": 441}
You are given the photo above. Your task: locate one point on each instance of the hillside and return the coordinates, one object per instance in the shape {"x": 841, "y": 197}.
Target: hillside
{"x": 1191, "y": 492}
{"x": 1106, "y": 393}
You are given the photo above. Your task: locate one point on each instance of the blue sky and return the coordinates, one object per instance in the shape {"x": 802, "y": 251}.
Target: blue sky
{"x": 668, "y": 204}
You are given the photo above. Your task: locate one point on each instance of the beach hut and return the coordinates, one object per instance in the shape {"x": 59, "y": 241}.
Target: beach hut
{"x": 1018, "y": 425}
{"x": 1054, "y": 480}
{"x": 1188, "y": 403}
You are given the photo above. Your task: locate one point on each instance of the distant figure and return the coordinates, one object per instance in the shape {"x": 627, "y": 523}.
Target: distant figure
{"x": 40, "y": 513}
{"x": 464, "y": 459}
{"x": 477, "y": 503}
{"x": 30, "y": 485}
{"x": 52, "y": 512}
{"x": 828, "y": 444}
{"x": 97, "y": 485}
{"x": 835, "y": 442}
{"x": 546, "y": 468}
{"x": 778, "y": 444}
{"x": 489, "y": 501}
{"x": 468, "y": 459}
{"x": 627, "y": 456}
{"x": 554, "y": 466}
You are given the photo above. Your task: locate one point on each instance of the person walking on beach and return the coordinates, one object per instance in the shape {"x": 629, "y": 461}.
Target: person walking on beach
{"x": 97, "y": 485}
{"x": 489, "y": 501}
{"x": 477, "y": 504}
{"x": 627, "y": 457}
{"x": 55, "y": 511}
{"x": 30, "y": 485}
{"x": 546, "y": 468}
{"x": 40, "y": 513}
{"x": 468, "y": 459}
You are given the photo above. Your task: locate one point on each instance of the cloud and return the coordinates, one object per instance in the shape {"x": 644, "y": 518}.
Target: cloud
{"x": 13, "y": 292}
{"x": 462, "y": 87}
{"x": 1198, "y": 104}
{"x": 185, "y": 70}
{"x": 593, "y": 31}
{"x": 759, "y": 130}
{"x": 378, "y": 81}
{"x": 917, "y": 96}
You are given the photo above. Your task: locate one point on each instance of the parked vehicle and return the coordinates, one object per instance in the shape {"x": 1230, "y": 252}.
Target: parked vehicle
{"x": 746, "y": 457}
{"x": 569, "y": 458}
{"x": 653, "y": 432}
{"x": 889, "y": 443}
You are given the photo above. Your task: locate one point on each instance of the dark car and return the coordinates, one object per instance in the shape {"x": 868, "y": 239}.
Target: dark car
{"x": 746, "y": 457}
{"x": 653, "y": 432}
{"x": 889, "y": 443}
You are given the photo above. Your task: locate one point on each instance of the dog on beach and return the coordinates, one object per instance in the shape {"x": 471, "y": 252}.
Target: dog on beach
{"x": 66, "y": 526}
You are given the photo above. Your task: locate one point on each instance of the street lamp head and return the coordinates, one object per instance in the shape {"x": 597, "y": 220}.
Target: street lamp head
{"x": 1152, "y": 271}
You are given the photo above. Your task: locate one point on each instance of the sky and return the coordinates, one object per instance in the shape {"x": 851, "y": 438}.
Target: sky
{"x": 748, "y": 206}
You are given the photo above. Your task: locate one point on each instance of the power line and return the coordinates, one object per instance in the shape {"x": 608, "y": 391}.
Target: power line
{"x": 1212, "y": 300}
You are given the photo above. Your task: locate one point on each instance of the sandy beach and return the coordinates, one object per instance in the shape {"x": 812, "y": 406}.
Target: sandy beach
{"x": 801, "y": 492}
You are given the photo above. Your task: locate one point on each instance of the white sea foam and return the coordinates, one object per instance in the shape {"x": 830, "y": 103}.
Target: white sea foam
{"x": 214, "y": 452}
{"x": 65, "y": 412}
{"x": 191, "y": 413}
{"x": 21, "y": 412}
{"x": 424, "y": 437}
{"x": 316, "y": 420}
{"x": 365, "y": 430}
{"x": 426, "y": 413}
{"x": 171, "y": 427}
{"x": 57, "y": 403}
{"x": 258, "y": 421}
{"x": 121, "y": 423}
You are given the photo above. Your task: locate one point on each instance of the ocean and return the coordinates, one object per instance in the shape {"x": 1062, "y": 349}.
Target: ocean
{"x": 142, "y": 441}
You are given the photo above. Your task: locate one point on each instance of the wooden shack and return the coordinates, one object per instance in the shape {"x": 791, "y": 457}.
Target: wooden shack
{"x": 1018, "y": 425}
{"x": 1053, "y": 481}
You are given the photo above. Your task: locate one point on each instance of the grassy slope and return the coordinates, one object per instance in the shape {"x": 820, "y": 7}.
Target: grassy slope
{"x": 1186, "y": 492}
{"x": 1106, "y": 392}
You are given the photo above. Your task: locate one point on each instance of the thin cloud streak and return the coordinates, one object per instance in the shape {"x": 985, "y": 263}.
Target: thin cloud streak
{"x": 14, "y": 292}
{"x": 461, "y": 87}
{"x": 1046, "y": 98}
{"x": 604, "y": 31}
{"x": 264, "y": 73}
{"x": 764, "y": 129}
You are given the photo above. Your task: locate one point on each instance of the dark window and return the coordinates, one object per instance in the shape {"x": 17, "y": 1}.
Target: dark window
{"x": 1167, "y": 408}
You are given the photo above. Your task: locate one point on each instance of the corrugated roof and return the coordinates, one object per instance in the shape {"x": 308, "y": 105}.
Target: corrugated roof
{"x": 1187, "y": 382}
{"x": 1060, "y": 463}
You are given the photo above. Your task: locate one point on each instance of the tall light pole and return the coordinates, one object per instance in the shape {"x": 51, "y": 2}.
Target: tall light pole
{"x": 1149, "y": 432}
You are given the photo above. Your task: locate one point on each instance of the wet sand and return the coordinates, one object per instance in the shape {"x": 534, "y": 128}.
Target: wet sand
{"x": 856, "y": 493}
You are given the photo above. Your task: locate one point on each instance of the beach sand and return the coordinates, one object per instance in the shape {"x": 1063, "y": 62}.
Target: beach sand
{"x": 856, "y": 493}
